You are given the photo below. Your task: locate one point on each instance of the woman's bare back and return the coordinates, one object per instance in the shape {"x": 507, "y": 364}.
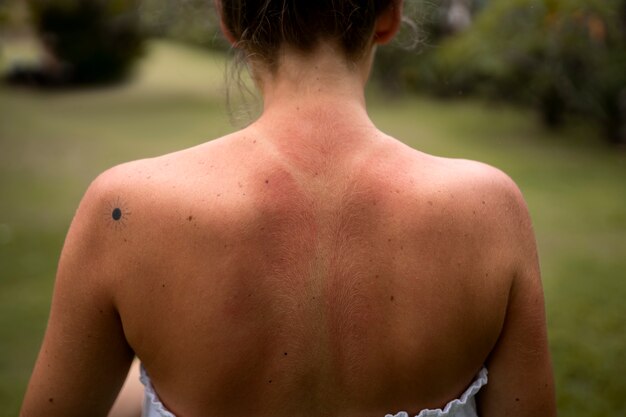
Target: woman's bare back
{"x": 307, "y": 265}
{"x": 363, "y": 282}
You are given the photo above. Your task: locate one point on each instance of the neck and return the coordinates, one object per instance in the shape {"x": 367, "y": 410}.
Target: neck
{"x": 321, "y": 82}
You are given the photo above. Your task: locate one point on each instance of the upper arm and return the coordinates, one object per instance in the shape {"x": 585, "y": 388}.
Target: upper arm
{"x": 520, "y": 371}
{"x": 84, "y": 356}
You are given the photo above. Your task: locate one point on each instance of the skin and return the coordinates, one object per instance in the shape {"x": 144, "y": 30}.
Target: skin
{"x": 307, "y": 265}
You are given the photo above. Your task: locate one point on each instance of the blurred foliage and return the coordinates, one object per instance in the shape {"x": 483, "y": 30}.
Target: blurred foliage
{"x": 193, "y": 21}
{"x": 5, "y": 16}
{"x": 14, "y": 19}
{"x": 90, "y": 41}
{"x": 561, "y": 56}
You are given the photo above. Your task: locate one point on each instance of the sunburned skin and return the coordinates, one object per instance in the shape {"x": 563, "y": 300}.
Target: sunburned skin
{"x": 299, "y": 281}
{"x": 273, "y": 278}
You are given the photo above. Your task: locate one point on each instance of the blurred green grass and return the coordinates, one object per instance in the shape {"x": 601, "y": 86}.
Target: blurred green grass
{"x": 52, "y": 144}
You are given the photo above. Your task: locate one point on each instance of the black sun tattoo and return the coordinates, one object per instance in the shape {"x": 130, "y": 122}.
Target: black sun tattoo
{"x": 117, "y": 214}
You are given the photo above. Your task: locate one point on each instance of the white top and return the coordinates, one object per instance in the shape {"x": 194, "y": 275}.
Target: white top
{"x": 464, "y": 406}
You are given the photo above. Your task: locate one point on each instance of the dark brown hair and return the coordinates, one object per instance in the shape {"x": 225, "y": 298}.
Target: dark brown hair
{"x": 261, "y": 27}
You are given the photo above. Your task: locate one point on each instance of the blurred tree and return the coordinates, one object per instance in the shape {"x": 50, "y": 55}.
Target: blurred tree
{"x": 422, "y": 24}
{"x": 426, "y": 24}
{"x": 560, "y": 55}
{"x": 89, "y": 41}
{"x": 4, "y": 14}
{"x": 13, "y": 17}
{"x": 193, "y": 21}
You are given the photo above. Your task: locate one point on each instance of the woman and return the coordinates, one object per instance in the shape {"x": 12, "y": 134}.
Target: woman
{"x": 306, "y": 265}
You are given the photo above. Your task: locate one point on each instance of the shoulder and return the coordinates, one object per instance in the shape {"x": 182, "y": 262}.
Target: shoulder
{"x": 123, "y": 218}
{"x": 473, "y": 192}
{"x": 101, "y": 219}
{"x": 108, "y": 199}
{"x": 491, "y": 204}
{"x": 494, "y": 199}
{"x": 479, "y": 199}
{"x": 462, "y": 184}
{"x": 463, "y": 176}
{"x": 144, "y": 199}
{"x": 140, "y": 184}
{"x": 480, "y": 186}
{"x": 478, "y": 177}
{"x": 123, "y": 200}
